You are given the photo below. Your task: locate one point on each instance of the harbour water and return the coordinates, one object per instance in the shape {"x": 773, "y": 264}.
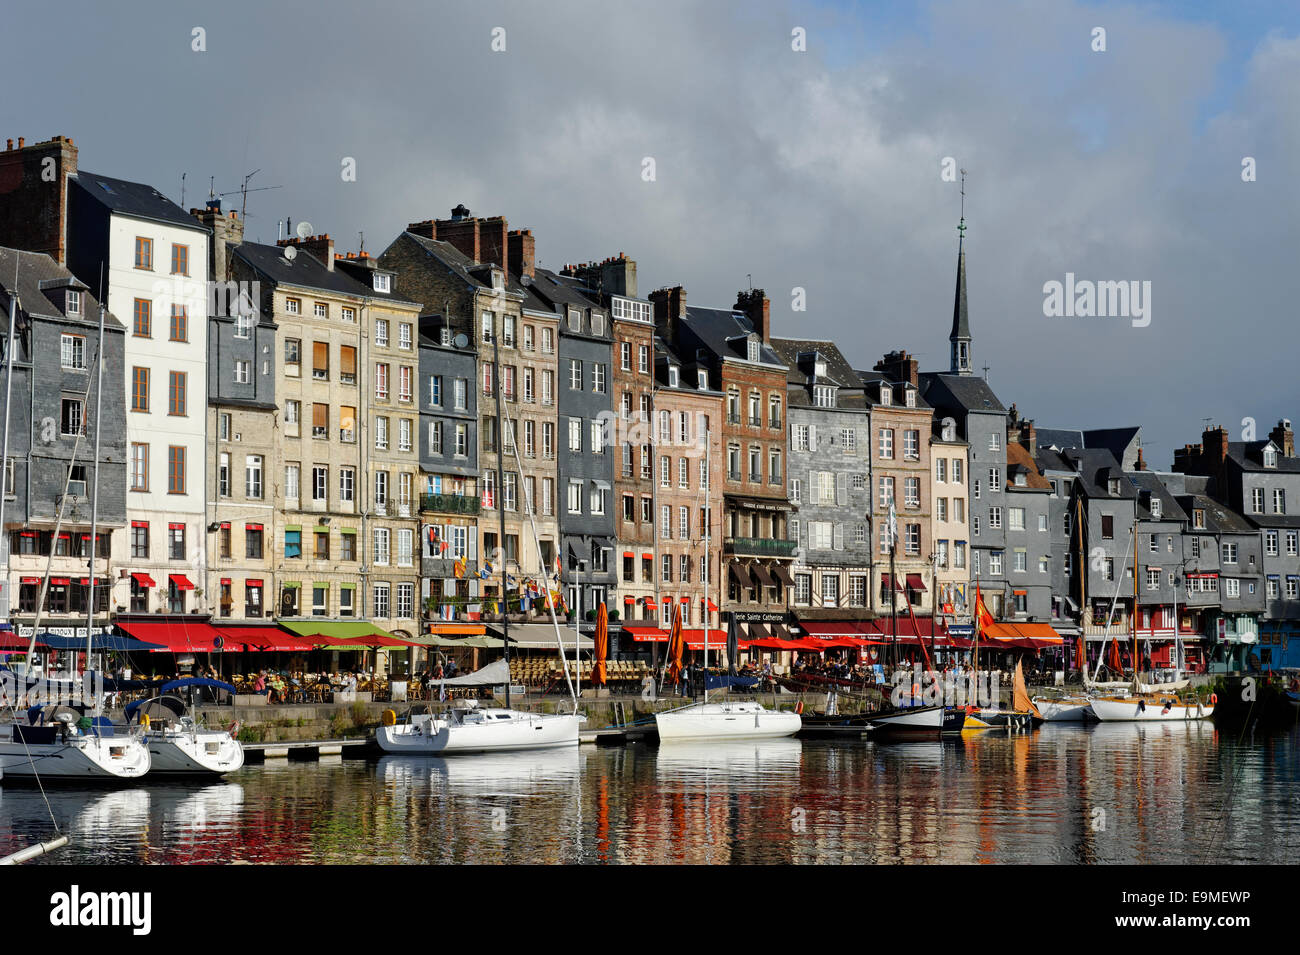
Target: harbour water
{"x": 1122, "y": 793}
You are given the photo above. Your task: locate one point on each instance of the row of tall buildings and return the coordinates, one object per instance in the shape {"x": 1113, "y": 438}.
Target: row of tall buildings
{"x": 292, "y": 432}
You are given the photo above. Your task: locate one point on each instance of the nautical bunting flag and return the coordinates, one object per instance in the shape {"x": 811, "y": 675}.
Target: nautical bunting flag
{"x": 486, "y": 571}
{"x": 459, "y": 569}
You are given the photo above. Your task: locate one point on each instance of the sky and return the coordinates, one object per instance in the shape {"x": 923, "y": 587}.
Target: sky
{"x": 818, "y": 169}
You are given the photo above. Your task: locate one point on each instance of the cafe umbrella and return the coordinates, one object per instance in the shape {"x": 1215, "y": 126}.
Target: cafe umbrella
{"x": 602, "y": 645}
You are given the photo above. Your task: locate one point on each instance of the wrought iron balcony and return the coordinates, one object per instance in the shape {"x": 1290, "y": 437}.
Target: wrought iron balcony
{"x": 450, "y": 503}
{"x": 756, "y": 547}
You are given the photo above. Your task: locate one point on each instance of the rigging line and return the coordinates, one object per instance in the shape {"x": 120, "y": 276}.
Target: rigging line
{"x": 1238, "y": 765}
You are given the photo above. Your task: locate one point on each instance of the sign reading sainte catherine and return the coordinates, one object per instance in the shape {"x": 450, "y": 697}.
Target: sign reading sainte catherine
{"x": 24, "y": 631}
{"x": 759, "y": 616}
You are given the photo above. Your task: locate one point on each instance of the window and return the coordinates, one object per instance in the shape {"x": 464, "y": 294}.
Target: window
{"x": 995, "y": 518}
{"x": 253, "y": 476}
{"x": 243, "y": 325}
{"x": 912, "y": 539}
{"x": 143, "y": 323}
{"x": 885, "y": 491}
{"x": 322, "y": 550}
{"x": 912, "y": 492}
{"x": 575, "y": 497}
{"x": 1231, "y": 587}
{"x": 405, "y": 540}
{"x": 625, "y": 356}
{"x": 140, "y": 467}
{"x": 320, "y": 420}
{"x": 887, "y": 442}
{"x": 1016, "y": 518}
{"x": 381, "y": 380}
{"x": 72, "y": 352}
{"x": 292, "y": 543}
{"x": 70, "y": 417}
{"x": 575, "y": 375}
{"x": 995, "y": 563}
{"x": 320, "y": 483}
{"x": 995, "y": 442}
{"x": 575, "y": 435}
{"x": 849, "y": 440}
{"x": 1279, "y": 500}
{"x": 242, "y": 371}
{"x": 293, "y": 306}
{"x": 1153, "y": 578}
{"x": 380, "y": 540}
{"x": 941, "y": 509}
{"x": 1291, "y": 537}
{"x": 176, "y": 541}
{"x": 292, "y": 356}
{"x": 1229, "y": 552}
{"x": 404, "y": 434}
{"x": 404, "y": 383}
{"x": 995, "y": 479}
{"x": 180, "y": 324}
{"x": 143, "y": 253}
{"x": 643, "y": 359}
{"x": 73, "y": 303}
{"x": 383, "y": 282}
{"x": 347, "y": 545}
{"x": 320, "y": 369}
{"x": 666, "y": 522}
{"x": 598, "y": 378}
{"x": 175, "y": 470}
{"x": 1107, "y": 527}
{"x": 911, "y": 445}
{"x": 291, "y": 474}
{"x": 774, "y": 466}
{"x": 1257, "y": 500}
{"x": 802, "y": 588}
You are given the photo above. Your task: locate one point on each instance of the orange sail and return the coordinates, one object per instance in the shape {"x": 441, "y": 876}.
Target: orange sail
{"x": 1020, "y": 701}
{"x": 602, "y": 645}
{"x": 676, "y": 644}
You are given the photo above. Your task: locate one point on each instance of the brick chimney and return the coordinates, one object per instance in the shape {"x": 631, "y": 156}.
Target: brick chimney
{"x": 1141, "y": 465}
{"x": 898, "y": 366}
{"x": 34, "y": 195}
{"x": 1283, "y": 437}
{"x": 615, "y": 275}
{"x": 321, "y": 246}
{"x": 1214, "y": 445}
{"x": 1025, "y": 433}
{"x": 758, "y": 307}
{"x": 670, "y": 311}
{"x": 522, "y": 252}
{"x": 227, "y": 232}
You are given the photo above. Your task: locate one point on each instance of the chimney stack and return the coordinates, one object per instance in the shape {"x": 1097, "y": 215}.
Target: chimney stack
{"x": 227, "y": 232}
{"x": 1214, "y": 446}
{"x": 321, "y": 246}
{"x": 670, "y": 310}
{"x": 34, "y": 207}
{"x": 1284, "y": 437}
{"x": 758, "y": 307}
{"x": 522, "y": 252}
{"x": 898, "y": 366}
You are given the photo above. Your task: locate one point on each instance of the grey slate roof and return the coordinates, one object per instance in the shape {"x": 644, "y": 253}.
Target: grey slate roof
{"x": 305, "y": 270}
{"x": 1059, "y": 438}
{"x": 1249, "y": 456}
{"x": 966, "y": 392}
{"x": 34, "y": 270}
{"x": 723, "y": 332}
{"x": 872, "y": 381}
{"x": 1218, "y": 519}
{"x": 135, "y": 199}
{"x": 474, "y": 274}
{"x": 1154, "y": 483}
{"x": 838, "y": 372}
{"x": 1096, "y": 467}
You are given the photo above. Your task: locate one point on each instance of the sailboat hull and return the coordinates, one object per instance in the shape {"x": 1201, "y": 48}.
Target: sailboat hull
{"x": 491, "y": 731}
{"x": 919, "y": 719}
{"x": 1147, "y": 709}
{"x": 81, "y": 757}
{"x": 204, "y": 753}
{"x": 1063, "y": 709}
{"x": 712, "y": 721}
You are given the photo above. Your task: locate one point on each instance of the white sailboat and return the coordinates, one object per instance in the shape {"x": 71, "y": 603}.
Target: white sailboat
{"x": 178, "y": 744}
{"x": 468, "y": 727}
{"x": 741, "y": 719}
{"x": 1143, "y": 705}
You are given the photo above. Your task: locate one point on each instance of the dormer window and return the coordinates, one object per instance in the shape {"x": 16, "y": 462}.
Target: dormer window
{"x": 1198, "y": 518}
{"x": 575, "y": 320}
{"x": 753, "y": 349}
{"x": 74, "y": 303}
{"x": 1270, "y": 457}
{"x": 498, "y": 279}
{"x": 909, "y": 397}
{"x": 1112, "y": 486}
{"x": 383, "y": 282}
{"x": 886, "y": 394}
{"x": 444, "y": 336}
{"x": 673, "y": 376}
{"x": 824, "y": 396}
{"x": 1155, "y": 508}
{"x": 702, "y": 380}
{"x": 1020, "y": 479}
{"x": 819, "y": 369}
{"x": 597, "y": 324}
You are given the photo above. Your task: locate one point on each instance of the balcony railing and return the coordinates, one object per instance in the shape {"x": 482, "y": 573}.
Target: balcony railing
{"x": 756, "y": 547}
{"x": 450, "y": 503}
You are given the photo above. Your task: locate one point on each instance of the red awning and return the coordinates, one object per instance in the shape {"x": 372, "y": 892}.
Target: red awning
{"x": 884, "y": 582}
{"x": 261, "y": 639}
{"x": 685, "y": 600}
{"x": 225, "y": 581}
{"x": 628, "y": 553}
{"x": 252, "y": 527}
{"x": 139, "y": 523}
{"x": 647, "y": 634}
{"x": 253, "y": 582}
{"x": 717, "y": 639}
{"x": 175, "y": 636}
{"x": 143, "y": 579}
{"x": 915, "y": 582}
{"x": 31, "y": 580}
{"x": 60, "y": 581}
{"x": 629, "y": 600}
{"x": 181, "y": 581}
{"x": 645, "y": 556}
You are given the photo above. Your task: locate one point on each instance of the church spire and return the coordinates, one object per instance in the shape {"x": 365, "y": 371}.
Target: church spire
{"x": 959, "y": 338}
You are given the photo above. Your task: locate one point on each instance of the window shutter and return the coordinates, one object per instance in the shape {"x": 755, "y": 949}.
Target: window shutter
{"x": 347, "y": 359}
{"x": 812, "y": 437}
{"x": 319, "y": 415}
{"x": 320, "y": 355}
{"x": 841, "y": 489}
{"x": 838, "y": 536}
{"x": 793, "y": 445}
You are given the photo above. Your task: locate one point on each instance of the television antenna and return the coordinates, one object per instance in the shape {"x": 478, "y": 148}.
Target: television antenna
{"x": 243, "y": 192}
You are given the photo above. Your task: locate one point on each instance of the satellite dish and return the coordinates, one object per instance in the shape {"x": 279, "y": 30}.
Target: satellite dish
{"x": 461, "y": 340}
{"x": 290, "y": 253}
{"x": 525, "y": 280}
{"x": 304, "y": 230}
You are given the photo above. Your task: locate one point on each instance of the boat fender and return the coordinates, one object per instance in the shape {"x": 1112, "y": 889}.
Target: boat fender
{"x": 798, "y": 707}
{"x": 144, "y": 720}
{"x": 1214, "y": 698}
{"x": 874, "y": 653}
{"x": 388, "y": 718}
{"x": 1142, "y": 706}
{"x": 233, "y": 729}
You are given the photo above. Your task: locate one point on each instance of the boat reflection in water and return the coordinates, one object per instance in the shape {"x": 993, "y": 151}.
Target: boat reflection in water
{"x": 510, "y": 773}
{"x": 731, "y": 759}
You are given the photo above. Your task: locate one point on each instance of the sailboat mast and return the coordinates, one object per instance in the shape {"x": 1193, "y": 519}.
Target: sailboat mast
{"x": 94, "y": 488}
{"x": 500, "y": 501}
{"x": 706, "y": 566}
{"x": 1135, "y": 593}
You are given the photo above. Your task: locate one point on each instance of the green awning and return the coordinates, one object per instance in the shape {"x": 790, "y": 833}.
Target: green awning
{"x": 347, "y": 530}
{"x": 290, "y": 585}
{"x": 293, "y": 527}
{"x": 322, "y": 583}
{"x": 321, "y": 529}
{"x": 347, "y": 586}
{"x": 335, "y": 629}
